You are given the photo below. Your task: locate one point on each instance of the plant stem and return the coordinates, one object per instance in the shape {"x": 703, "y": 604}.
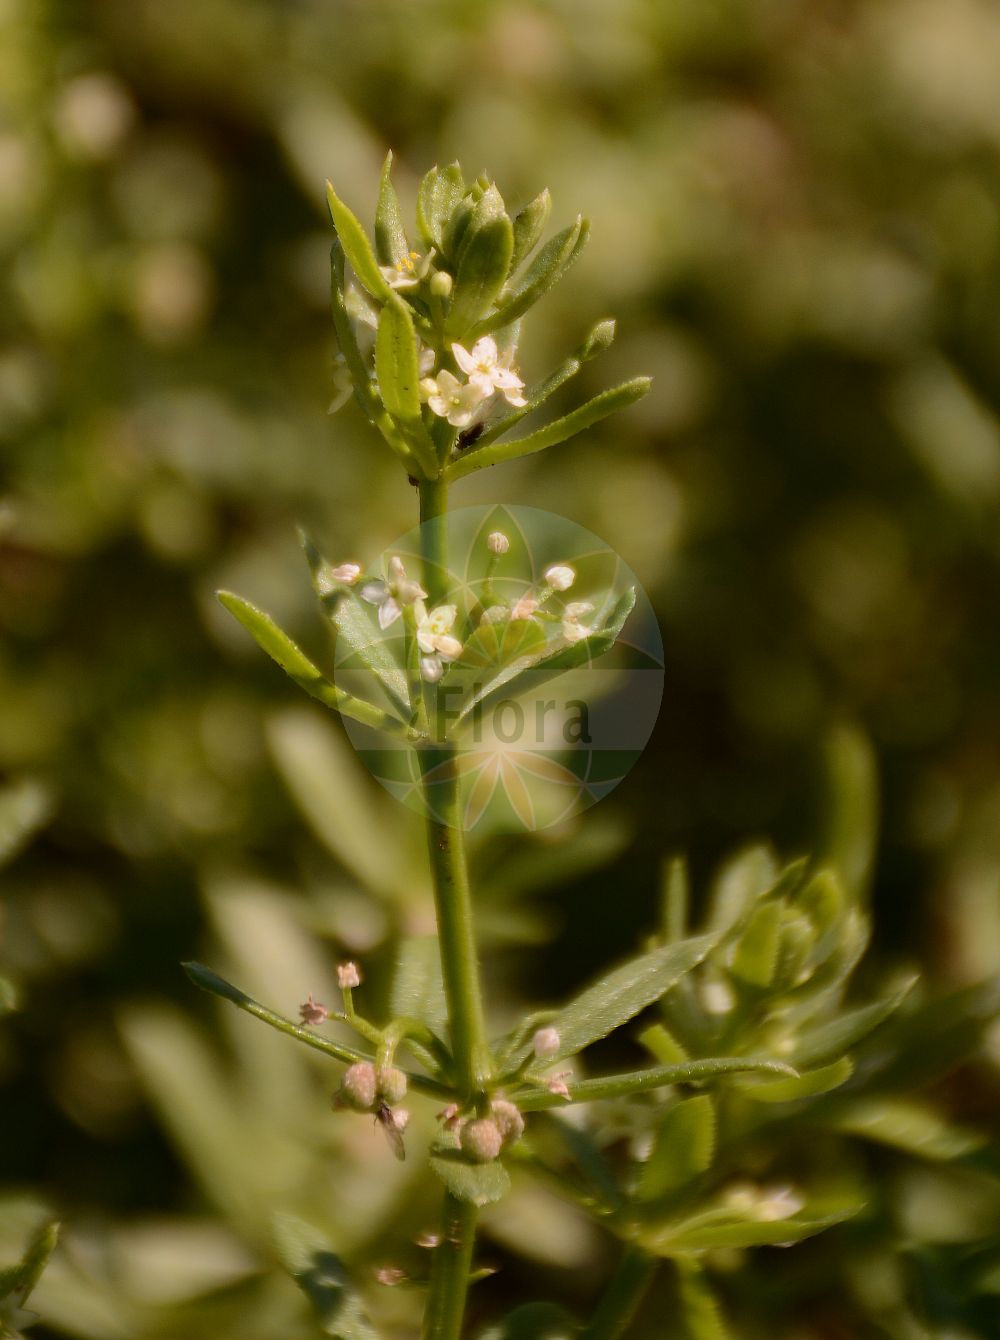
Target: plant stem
{"x": 459, "y": 960}
{"x": 450, "y": 1271}
{"x": 622, "y": 1297}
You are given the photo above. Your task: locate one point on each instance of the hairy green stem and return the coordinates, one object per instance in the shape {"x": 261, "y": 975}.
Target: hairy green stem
{"x": 459, "y": 960}
{"x": 450, "y": 1271}
{"x": 622, "y": 1297}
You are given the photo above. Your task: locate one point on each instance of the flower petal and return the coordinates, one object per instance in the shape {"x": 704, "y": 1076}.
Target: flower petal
{"x": 463, "y": 358}
{"x": 388, "y": 612}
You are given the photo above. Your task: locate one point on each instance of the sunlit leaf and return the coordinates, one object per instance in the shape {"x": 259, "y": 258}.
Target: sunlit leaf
{"x": 682, "y": 1149}
{"x": 390, "y": 234}
{"x": 357, "y": 248}
{"x": 478, "y": 1183}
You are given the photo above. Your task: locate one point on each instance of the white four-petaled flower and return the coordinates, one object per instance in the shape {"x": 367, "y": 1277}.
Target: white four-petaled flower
{"x": 572, "y": 629}
{"x": 435, "y": 640}
{"x": 451, "y": 399}
{"x": 560, "y": 576}
{"x": 393, "y": 594}
{"x": 490, "y": 370}
{"x": 408, "y": 272}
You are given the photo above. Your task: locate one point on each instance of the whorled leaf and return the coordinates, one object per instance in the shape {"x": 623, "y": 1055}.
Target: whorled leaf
{"x": 357, "y": 247}
{"x": 545, "y": 270}
{"x": 391, "y": 243}
{"x": 440, "y": 192}
{"x": 478, "y": 1183}
{"x": 593, "y": 411}
{"x": 319, "y": 1273}
{"x": 529, "y": 224}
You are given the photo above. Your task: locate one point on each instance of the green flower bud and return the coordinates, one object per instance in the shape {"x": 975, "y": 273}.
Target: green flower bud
{"x": 441, "y": 283}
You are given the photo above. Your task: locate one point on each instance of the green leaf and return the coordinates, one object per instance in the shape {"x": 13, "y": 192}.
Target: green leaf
{"x": 682, "y": 1150}
{"x": 280, "y": 647}
{"x": 390, "y": 235}
{"x": 483, "y": 264}
{"x": 545, "y": 270}
{"x": 317, "y": 1270}
{"x": 807, "y": 1085}
{"x": 534, "y": 1321}
{"x": 357, "y": 248}
{"x": 656, "y": 1077}
{"x": 909, "y": 1126}
{"x": 593, "y": 411}
{"x": 20, "y": 1279}
{"x": 456, "y": 230}
{"x": 553, "y": 659}
{"x": 620, "y": 995}
{"x": 823, "y": 1041}
{"x": 663, "y": 1045}
{"x": 357, "y": 630}
{"x": 440, "y": 192}
{"x": 529, "y": 224}
{"x": 25, "y": 806}
{"x": 396, "y": 361}
{"x": 756, "y": 953}
{"x": 417, "y": 985}
{"x": 478, "y": 1183}
{"x": 726, "y": 1227}
{"x": 701, "y": 1317}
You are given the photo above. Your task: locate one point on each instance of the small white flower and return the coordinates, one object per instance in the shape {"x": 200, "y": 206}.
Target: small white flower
{"x": 546, "y": 1042}
{"x": 451, "y": 399}
{"x": 780, "y": 1202}
{"x": 572, "y": 629}
{"x": 348, "y": 976}
{"x": 524, "y": 608}
{"x": 425, "y": 361}
{"x": 391, "y": 595}
{"x": 497, "y": 542}
{"x": 717, "y": 997}
{"x": 328, "y": 579}
{"x": 431, "y": 669}
{"x": 560, "y": 577}
{"x": 408, "y": 272}
{"x": 490, "y": 370}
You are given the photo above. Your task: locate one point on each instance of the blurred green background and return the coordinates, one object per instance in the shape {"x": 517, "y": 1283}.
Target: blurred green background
{"x": 796, "y": 221}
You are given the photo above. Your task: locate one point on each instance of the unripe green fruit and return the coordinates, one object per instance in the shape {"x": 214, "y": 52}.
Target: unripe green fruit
{"x": 358, "y": 1087}
{"x": 481, "y": 1140}
{"x": 391, "y": 1085}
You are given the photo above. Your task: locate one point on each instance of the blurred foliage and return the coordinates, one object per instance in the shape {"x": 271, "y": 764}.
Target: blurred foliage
{"x": 796, "y": 221}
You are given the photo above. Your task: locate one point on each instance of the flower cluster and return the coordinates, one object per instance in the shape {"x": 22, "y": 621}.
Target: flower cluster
{"x": 489, "y": 372}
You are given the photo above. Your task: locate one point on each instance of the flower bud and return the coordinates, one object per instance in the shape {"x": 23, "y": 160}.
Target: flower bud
{"x": 357, "y": 1088}
{"x": 481, "y": 1140}
{"x": 509, "y": 1121}
{"x": 546, "y": 1042}
{"x": 497, "y": 542}
{"x": 348, "y": 976}
{"x": 431, "y": 669}
{"x": 391, "y": 1085}
{"x": 312, "y": 1012}
{"x": 441, "y": 283}
{"x": 560, "y": 577}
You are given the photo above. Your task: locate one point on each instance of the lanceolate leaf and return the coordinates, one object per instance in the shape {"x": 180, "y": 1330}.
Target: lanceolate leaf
{"x": 390, "y": 235}
{"x": 700, "y": 1315}
{"x": 478, "y": 1183}
{"x": 819, "y": 1044}
{"x": 615, "y": 398}
{"x": 559, "y": 657}
{"x": 807, "y": 1085}
{"x": 483, "y": 264}
{"x": 318, "y": 1272}
{"x": 357, "y": 248}
{"x": 439, "y": 193}
{"x": 529, "y": 224}
{"x": 682, "y": 1150}
{"x": 656, "y": 1077}
{"x": 725, "y": 1227}
{"x": 357, "y": 630}
{"x": 398, "y": 377}
{"x": 545, "y": 270}
{"x": 622, "y": 994}
{"x": 280, "y": 647}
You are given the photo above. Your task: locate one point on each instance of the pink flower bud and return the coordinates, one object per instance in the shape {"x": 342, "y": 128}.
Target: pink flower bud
{"x": 391, "y": 1085}
{"x": 348, "y": 976}
{"x": 508, "y": 1119}
{"x": 481, "y": 1140}
{"x": 358, "y": 1087}
{"x": 497, "y": 542}
{"x": 546, "y": 1042}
